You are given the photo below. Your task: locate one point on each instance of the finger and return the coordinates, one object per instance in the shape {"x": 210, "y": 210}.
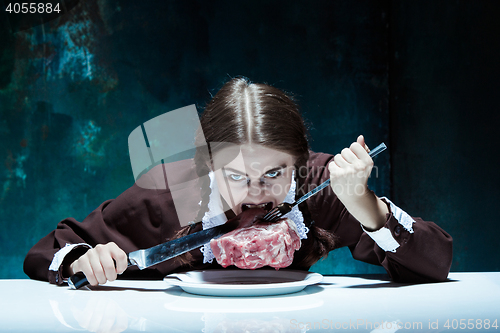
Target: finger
{"x": 349, "y": 156}
{"x": 95, "y": 263}
{"x": 361, "y": 141}
{"x": 340, "y": 161}
{"x": 333, "y": 167}
{"x": 107, "y": 263}
{"x": 360, "y": 152}
{"x": 335, "y": 170}
{"x": 83, "y": 265}
{"x": 119, "y": 256}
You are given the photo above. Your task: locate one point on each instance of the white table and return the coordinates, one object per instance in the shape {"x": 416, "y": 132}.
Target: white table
{"x": 361, "y": 304}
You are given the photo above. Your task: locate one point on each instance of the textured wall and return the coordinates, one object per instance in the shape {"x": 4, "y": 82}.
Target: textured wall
{"x": 445, "y": 121}
{"x": 73, "y": 89}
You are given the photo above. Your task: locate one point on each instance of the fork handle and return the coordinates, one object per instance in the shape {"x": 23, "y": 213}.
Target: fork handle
{"x": 377, "y": 150}
{"x": 313, "y": 192}
{"x": 374, "y": 152}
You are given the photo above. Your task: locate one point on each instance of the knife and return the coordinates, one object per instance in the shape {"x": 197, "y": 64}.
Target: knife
{"x": 154, "y": 255}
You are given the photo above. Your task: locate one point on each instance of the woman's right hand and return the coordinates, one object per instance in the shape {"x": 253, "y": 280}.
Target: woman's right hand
{"x": 101, "y": 264}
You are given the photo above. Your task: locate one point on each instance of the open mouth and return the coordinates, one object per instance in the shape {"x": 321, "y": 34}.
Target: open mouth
{"x": 266, "y": 206}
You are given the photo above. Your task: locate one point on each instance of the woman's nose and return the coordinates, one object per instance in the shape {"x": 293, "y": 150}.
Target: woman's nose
{"x": 256, "y": 190}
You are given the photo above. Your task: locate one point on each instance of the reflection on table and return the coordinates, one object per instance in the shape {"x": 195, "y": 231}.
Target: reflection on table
{"x": 357, "y": 303}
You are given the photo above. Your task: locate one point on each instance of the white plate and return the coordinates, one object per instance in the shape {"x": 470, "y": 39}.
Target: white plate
{"x": 241, "y": 282}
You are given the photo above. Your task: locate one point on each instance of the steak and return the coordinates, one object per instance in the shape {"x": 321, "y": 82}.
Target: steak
{"x": 257, "y": 243}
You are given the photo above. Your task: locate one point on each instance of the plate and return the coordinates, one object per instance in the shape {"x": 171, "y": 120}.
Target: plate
{"x": 236, "y": 282}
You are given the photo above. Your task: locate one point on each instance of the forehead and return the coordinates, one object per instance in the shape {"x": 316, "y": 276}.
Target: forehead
{"x": 251, "y": 158}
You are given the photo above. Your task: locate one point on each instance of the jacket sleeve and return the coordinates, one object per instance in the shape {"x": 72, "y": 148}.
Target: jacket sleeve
{"x": 409, "y": 248}
{"x": 131, "y": 221}
{"x": 139, "y": 218}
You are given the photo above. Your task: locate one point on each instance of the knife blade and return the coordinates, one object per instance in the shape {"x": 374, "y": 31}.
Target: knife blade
{"x": 154, "y": 255}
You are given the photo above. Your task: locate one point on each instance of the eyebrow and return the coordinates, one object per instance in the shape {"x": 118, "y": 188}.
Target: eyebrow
{"x": 282, "y": 166}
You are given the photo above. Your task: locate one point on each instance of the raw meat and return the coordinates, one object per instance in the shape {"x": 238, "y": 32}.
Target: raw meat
{"x": 260, "y": 244}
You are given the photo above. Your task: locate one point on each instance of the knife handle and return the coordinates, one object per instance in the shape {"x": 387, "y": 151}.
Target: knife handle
{"x": 78, "y": 280}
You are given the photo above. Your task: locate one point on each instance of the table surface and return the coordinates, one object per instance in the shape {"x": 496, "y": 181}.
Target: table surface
{"x": 368, "y": 303}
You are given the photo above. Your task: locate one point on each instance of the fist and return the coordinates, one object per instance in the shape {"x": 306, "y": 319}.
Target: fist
{"x": 101, "y": 264}
{"x": 350, "y": 170}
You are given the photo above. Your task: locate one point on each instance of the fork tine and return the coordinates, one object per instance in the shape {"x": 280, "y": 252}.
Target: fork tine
{"x": 272, "y": 215}
{"x": 269, "y": 215}
{"x": 271, "y": 218}
{"x": 277, "y": 216}
{"x": 278, "y": 212}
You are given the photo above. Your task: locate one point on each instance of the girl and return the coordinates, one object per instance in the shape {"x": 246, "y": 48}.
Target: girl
{"x": 272, "y": 153}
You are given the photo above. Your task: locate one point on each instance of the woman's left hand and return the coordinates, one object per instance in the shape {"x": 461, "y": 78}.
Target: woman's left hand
{"x": 349, "y": 173}
{"x": 350, "y": 170}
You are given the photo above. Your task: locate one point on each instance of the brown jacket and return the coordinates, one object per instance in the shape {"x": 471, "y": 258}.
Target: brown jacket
{"x": 141, "y": 218}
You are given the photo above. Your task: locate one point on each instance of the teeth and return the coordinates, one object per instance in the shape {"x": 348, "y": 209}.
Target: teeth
{"x": 255, "y": 206}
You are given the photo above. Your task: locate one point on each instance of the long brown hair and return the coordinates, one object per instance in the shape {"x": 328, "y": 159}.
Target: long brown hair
{"x": 243, "y": 112}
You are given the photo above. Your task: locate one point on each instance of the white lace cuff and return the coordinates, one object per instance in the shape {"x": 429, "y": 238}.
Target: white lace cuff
{"x": 403, "y": 217}
{"x": 61, "y": 254}
{"x": 383, "y": 237}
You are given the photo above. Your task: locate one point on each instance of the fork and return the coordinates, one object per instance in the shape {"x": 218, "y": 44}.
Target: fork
{"x": 285, "y": 207}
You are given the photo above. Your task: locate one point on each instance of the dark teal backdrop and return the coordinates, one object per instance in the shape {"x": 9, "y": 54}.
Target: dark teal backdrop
{"x": 418, "y": 76}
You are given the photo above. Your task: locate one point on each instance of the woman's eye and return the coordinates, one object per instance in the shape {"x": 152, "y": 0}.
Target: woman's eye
{"x": 273, "y": 174}
{"x": 236, "y": 177}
